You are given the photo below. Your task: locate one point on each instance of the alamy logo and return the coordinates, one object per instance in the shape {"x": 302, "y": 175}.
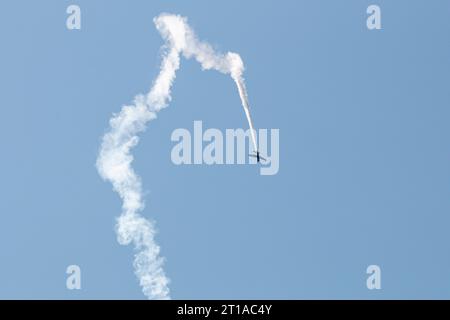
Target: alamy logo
{"x": 374, "y": 20}
{"x": 374, "y": 280}
{"x": 73, "y": 281}
{"x": 234, "y": 147}
{"x": 73, "y": 21}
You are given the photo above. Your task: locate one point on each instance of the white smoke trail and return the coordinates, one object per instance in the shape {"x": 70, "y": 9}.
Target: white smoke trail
{"x": 114, "y": 159}
{"x": 243, "y": 94}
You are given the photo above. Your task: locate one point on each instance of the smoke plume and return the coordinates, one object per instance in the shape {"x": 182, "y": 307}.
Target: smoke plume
{"x": 115, "y": 158}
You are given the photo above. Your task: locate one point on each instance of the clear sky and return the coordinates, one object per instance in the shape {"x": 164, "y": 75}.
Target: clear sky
{"x": 364, "y": 150}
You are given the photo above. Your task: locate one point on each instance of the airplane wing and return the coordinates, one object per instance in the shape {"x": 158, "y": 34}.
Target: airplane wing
{"x": 255, "y": 156}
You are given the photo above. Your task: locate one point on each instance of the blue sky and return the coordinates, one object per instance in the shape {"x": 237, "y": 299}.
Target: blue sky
{"x": 364, "y": 150}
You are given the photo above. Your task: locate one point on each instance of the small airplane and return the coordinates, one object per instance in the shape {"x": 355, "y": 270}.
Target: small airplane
{"x": 257, "y": 156}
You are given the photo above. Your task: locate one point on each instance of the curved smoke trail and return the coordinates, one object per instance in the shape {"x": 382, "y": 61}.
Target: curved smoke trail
{"x": 114, "y": 159}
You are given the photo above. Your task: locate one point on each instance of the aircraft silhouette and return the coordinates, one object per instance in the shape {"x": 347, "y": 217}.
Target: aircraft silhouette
{"x": 258, "y": 157}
